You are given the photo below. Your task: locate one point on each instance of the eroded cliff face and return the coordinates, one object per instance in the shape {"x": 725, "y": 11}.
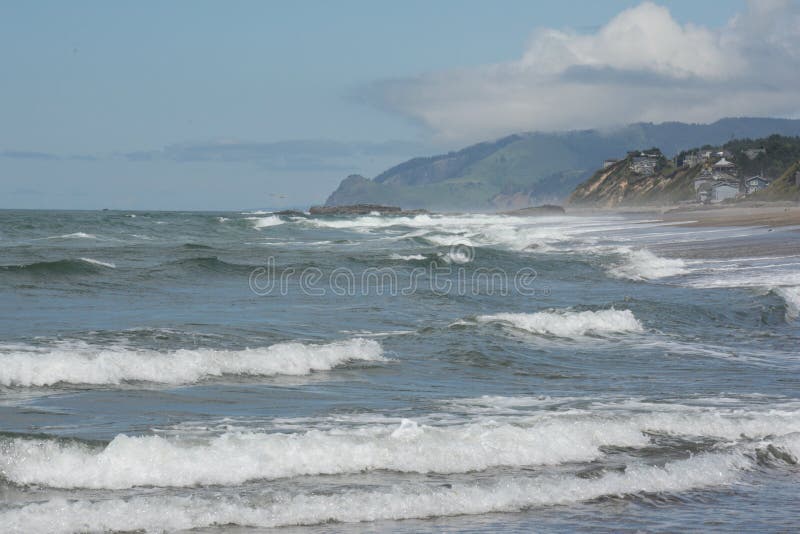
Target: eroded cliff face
{"x": 618, "y": 185}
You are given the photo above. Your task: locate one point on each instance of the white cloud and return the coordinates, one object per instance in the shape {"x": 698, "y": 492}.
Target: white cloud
{"x": 641, "y": 66}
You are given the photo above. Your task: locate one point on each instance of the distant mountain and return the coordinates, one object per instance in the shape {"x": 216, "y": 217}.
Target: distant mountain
{"x": 628, "y": 183}
{"x": 533, "y": 168}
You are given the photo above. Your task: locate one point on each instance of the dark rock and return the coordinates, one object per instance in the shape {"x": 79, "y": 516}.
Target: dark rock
{"x": 532, "y": 211}
{"x": 362, "y": 209}
{"x": 290, "y": 213}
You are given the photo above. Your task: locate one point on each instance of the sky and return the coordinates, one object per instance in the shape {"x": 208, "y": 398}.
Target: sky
{"x": 252, "y": 104}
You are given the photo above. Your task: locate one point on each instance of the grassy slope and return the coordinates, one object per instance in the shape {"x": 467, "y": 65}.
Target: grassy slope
{"x": 784, "y": 188}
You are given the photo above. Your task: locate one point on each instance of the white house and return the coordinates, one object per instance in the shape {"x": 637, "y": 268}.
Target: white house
{"x": 724, "y": 164}
{"x": 723, "y": 190}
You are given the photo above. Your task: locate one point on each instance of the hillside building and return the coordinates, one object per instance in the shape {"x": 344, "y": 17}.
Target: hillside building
{"x": 720, "y": 191}
{"x": 644, "y": 164}
{"x": 690, "y": 160}
{"x": 755, "y": 183}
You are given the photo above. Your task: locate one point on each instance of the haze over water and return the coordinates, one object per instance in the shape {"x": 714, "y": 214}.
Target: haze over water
{"x": 166, "y": 370}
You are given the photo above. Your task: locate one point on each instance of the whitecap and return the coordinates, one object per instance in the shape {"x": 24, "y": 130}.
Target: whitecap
{"x": 791, "y": 296}
{"x": 397, "y": 502}
{"x": 644, "y": 265}
{"x": 98, "y": 262}
{"x": 236, "y": 457}
{"x": 76, "y": 235}
{"x": 569, "y": 324}
{"x": 409, "y": 257}
{"x": 264, "y": 222}
{"x": 80, "y": 363}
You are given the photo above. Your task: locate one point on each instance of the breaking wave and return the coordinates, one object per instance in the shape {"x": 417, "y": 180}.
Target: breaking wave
{"x": 80, "y": 363}
{"x": 403, "y": 501}
{"x": 265, "y": 222}
{"x": 76, "y": 235}
{"x": 234, "y": 458}
{"x": 791, "y": 296}
{"x": 409, "y": 257}
{"x": 569, "y": 324}
{"x": 352, "y": 445}
{"x": 644, "y": 265}
{"x": 100, "y": 263}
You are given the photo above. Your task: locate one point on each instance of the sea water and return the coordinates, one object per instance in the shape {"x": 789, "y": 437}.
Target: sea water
{"x": 474, "y": 372}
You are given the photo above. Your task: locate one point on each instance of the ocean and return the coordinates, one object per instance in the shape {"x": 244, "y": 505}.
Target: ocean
{"x": 244, "y": 372}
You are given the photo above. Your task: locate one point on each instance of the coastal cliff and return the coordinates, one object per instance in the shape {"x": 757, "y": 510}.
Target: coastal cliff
{"x": 741, "y": 169}
{"x": 621, "y": 185}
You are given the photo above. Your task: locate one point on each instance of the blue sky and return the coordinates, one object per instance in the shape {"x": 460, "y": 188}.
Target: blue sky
{"x": 204, "y": 105}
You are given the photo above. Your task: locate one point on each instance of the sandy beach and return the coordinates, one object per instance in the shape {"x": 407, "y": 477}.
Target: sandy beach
{"x": 772, "y": 214}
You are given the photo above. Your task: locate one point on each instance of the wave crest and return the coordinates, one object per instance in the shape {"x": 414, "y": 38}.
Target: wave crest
{"x": 569, "y": 324}
{"x": 234, "y": 458}
{"x": 265, "y": 222}
{"x": 791, "y": 296}
{"x": 406, "y": 501}
{"x": 79, "y": 363}
{"x": 644, "y": 265}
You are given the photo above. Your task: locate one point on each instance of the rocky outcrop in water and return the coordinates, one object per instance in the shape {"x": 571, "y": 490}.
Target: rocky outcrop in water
{"x": 537, "y": 211}
{"x": 362, "y": 209}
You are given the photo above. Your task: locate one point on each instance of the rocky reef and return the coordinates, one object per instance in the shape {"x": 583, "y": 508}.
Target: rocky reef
{"x": 362, "y": 209}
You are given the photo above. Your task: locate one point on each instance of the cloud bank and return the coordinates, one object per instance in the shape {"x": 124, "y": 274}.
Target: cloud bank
{"x": 641, "y": 66}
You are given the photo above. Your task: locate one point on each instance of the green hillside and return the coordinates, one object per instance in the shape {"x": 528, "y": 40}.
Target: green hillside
{"x": 784, "y": 188}
{"x": 533, "y": 168}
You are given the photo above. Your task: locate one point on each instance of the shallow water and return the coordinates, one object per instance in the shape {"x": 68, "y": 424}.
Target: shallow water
{"x": 231, "y": 371}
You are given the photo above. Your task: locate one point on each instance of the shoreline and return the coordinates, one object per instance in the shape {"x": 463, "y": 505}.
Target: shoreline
{"x": 768, "y": 214}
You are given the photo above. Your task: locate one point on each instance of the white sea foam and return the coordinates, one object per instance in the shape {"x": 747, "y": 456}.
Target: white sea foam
{"x": 98, "y": 262}
{"x": 569, "y": 324}
{"x": 789, "y": 443}
{"x": 234, "y": 458}
{"x": 407, "y": 501}
{"x": 76, "y": 235}
{"x": 719, "y": 417}
{"x": 790, "y": 295}
{"x": 644, "y": 265}
{"x": 409, "y": 257}
{"x": 264, "y": 222}
{"x": 365, "y": 443}
{"x": 80, "y": 363}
